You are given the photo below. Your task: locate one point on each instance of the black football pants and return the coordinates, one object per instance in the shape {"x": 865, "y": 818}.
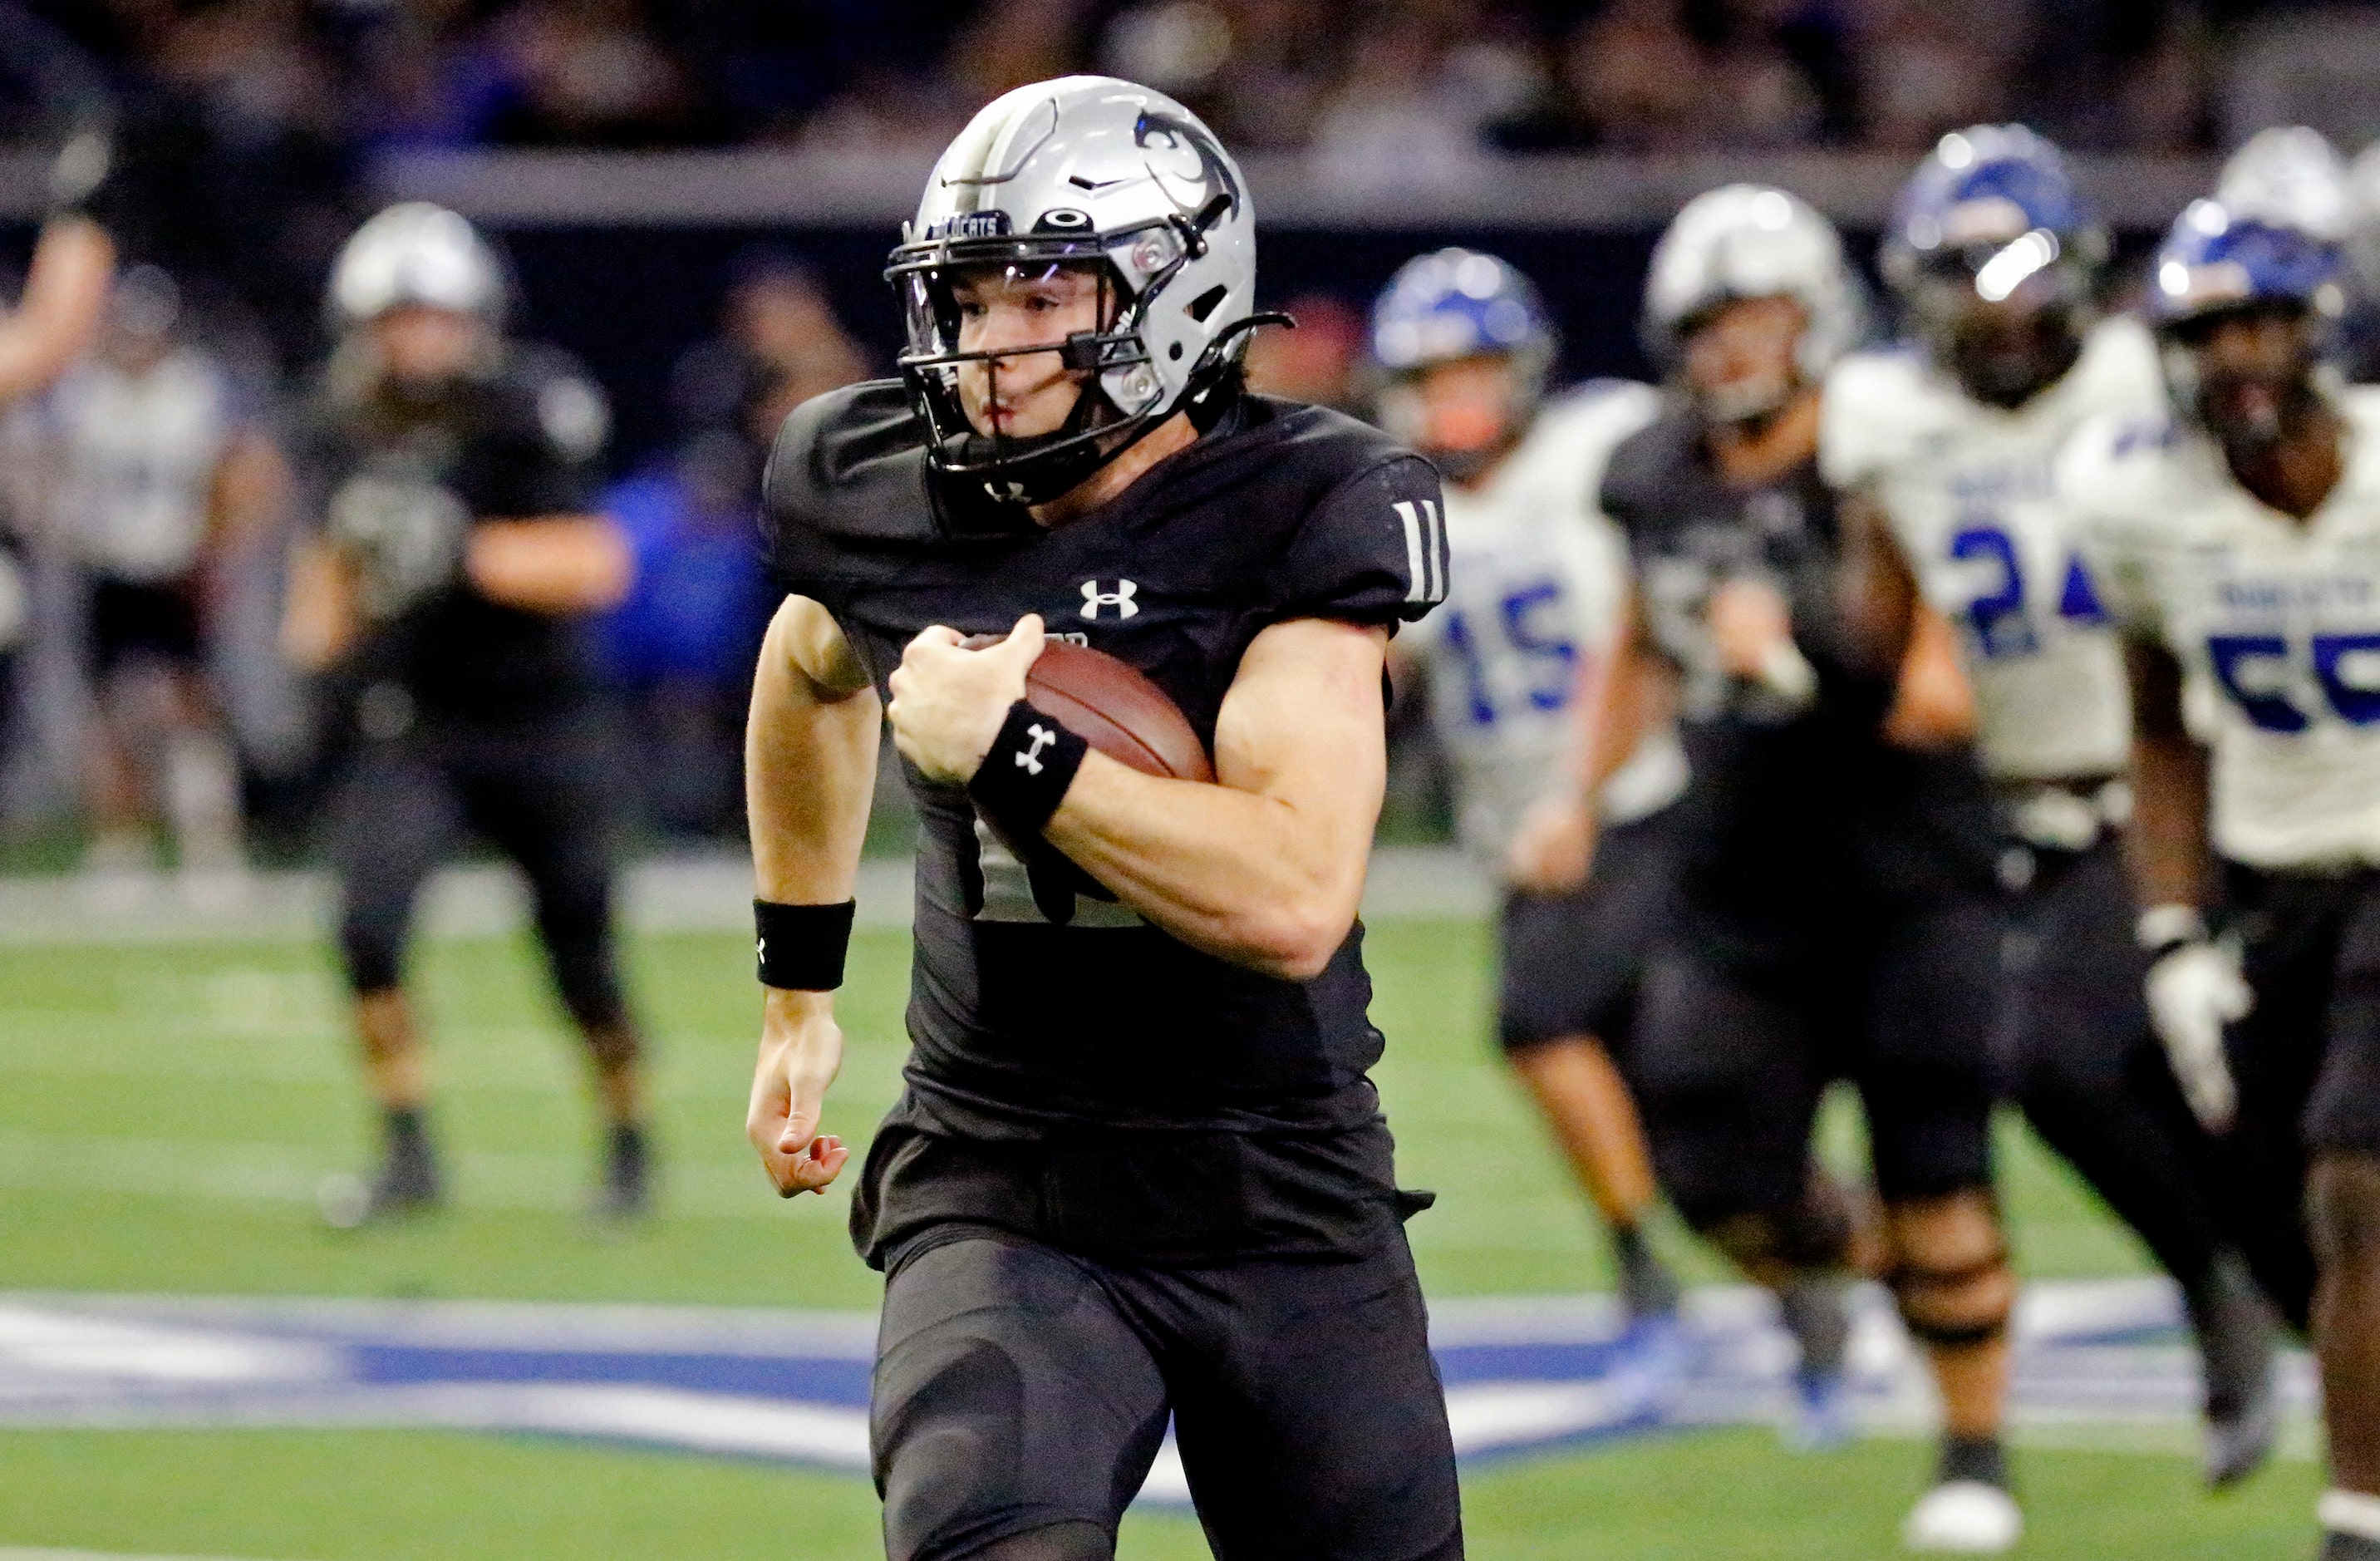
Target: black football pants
{"x": 540, "y": 794}
{"x": 2078, "y": 1056}
{"x": 1021, "y": 1389}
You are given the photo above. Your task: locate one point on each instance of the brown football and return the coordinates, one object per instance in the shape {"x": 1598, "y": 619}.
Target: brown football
{"x": 1115, "y": 707}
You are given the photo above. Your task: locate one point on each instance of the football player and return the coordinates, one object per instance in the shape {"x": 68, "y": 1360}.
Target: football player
{"x": 2237, "y": 545}
{"x": 1536, "y": 577}
{"x": 1997, "y": 261}
{"x": 163, "y": 473}
{"x": 1837, "y": 918}
{"x": 56, "y": 318}
{"x": 454, "y": 476}
{"x": 1137, "y": 1169}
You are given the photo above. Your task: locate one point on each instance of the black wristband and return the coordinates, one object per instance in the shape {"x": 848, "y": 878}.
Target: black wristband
{"x": 1025, "y": 777}
{"x": 800, "y": 948}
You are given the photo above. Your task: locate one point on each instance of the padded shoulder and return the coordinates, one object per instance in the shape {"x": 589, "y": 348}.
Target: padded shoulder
{"x": 1643, "y": 470}
{"x": 845, "y": 479}
{"x": 1879, "y": 405}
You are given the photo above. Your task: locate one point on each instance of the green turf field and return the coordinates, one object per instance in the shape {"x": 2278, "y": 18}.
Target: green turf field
{"x": 166, "y": 1113}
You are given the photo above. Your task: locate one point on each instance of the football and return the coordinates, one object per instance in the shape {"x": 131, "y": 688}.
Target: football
{"x": 1113, "y": 707}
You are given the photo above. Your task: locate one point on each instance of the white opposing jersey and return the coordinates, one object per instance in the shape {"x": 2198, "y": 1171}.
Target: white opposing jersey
{"x": 140, "y": 458}
{"x": 1536, "y": 577}
{"x": 2275, "y": 623}
{"x": 1968, "y": 490}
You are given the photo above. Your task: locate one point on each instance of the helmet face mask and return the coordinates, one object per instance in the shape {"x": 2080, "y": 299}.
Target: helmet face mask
{"x": 2251, "y": 370}
{"x": 1741, "y": 358}
{"x": 1080, "y": 175}
{"x": 1462, "y": 413}
{"x": 2005, "y": 343}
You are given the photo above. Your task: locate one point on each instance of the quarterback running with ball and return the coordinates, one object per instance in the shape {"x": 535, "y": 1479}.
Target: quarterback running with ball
{"x": 1138, "y": 1171}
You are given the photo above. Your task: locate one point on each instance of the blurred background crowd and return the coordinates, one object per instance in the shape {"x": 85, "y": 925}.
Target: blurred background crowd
{"x": 1270, "y": 74}
{"x": 260, "y": 125}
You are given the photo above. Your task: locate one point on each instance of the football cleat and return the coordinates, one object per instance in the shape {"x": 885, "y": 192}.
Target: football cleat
{"x": 628, "y": 1192}
{"x": 1966, "y": 1517}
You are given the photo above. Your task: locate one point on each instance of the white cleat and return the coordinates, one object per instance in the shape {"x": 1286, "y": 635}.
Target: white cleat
{"x": 1965, "y": 1516}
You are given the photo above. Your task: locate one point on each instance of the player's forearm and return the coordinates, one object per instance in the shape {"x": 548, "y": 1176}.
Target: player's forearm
{"x": 809, "y": 768}
{"x": 58, "y": 314}
{"x": 1246, "y": 877}
{"x": 2166, "y": 844}
{"x": 1626, "y": 695}
{"x": 1935, "y": 705}
{"x": 555, "y": 565}
{"x": 318, "y": 614}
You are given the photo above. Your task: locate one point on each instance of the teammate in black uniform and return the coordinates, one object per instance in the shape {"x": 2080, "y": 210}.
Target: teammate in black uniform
{"x": 1138, "y": 1169}
{"x": 55, "y": 320}
{"x": 1838, "y": 914}
{"x": 455, "y": 479}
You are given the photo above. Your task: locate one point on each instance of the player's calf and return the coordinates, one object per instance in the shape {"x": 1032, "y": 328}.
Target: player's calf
{"x": 2343, "y": 1212}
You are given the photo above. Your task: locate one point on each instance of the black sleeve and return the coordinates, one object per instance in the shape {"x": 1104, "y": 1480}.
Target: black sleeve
{"x": 1372, "y": 552}
{"x": 843, "y": 489}
{"x": 540, "y": 450}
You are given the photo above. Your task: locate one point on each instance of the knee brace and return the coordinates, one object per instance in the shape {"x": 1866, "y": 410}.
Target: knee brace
{"x": 1813, "y": 1233}
{"x": 1955, "y": 1300}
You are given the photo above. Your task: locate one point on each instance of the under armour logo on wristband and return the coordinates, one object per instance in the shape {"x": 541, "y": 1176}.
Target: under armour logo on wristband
{"x": 1030, "y": 760}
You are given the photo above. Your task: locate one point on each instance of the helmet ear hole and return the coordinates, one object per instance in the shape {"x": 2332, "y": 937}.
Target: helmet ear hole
{"x": 1205, "y": 303}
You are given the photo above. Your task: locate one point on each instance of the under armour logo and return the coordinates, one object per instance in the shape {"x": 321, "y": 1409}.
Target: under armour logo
{"x": 1119, "y": 599}
{"x": 1030, "y": 760}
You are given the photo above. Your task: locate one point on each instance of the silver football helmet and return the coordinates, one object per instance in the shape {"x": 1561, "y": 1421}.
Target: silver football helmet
{"x": 1747, "y": 241}
{"x": 1094, "y": 172}
{"x": 415, "y": 254}
{"x": 2289, "y": 175}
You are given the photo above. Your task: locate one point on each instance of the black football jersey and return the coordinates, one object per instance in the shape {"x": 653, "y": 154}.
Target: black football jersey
{"x": 1035, "y": 998}
{"x": 1792, "y": 811}
{"x": 522, "y": 440}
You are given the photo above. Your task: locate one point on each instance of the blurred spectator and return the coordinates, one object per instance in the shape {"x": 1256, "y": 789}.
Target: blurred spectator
{"x": 679, "y": 650}
{"x": 1424, "y": 78}
{"x": 1256, "y": 70}
{"x": 781, "y": 345}
{"x": 1925, "y": 69}
{"x": 577, "y": 73}
{"x": 1318, "y": 361}
{"x": 163, "y": 474}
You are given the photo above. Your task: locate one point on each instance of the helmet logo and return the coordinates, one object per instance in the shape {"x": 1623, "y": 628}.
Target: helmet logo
{"x": 1186, "y": 163}
{"x": 970, "y": 225}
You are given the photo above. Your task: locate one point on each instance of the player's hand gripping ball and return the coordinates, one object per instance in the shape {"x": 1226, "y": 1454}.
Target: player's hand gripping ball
{"x": 949, "y": 701}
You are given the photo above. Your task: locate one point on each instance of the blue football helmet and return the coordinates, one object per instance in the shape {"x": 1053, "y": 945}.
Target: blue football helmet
{"x": 1449, "y": 305}
{"x": 1458, "y": 303}
{"x": 1991, "y": 218}
{"x": 2213, "y": 260}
